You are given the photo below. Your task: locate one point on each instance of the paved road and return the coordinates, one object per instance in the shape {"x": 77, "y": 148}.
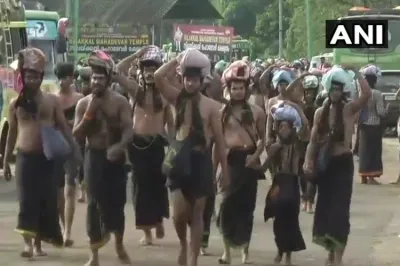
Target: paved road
{"x": 374, "y": 240}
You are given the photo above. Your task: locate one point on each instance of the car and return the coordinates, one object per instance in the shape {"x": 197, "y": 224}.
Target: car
{"x": 388, "y": 84}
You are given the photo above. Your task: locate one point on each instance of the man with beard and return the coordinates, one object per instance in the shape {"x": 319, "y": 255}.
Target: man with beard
{"x": 329, "y": 156}
{"x": 146, "y": 153}
{"x": 244, "y": 133}
{"x": 104, "y": 120}
{"x": 30, "y": 115}
{"x": 190, "y": 167}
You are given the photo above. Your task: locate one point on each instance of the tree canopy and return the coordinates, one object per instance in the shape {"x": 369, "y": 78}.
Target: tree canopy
{"x": 258, "y": 21}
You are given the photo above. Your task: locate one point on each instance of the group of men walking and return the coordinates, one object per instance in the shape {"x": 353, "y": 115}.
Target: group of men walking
{"x": 206, "y": 119}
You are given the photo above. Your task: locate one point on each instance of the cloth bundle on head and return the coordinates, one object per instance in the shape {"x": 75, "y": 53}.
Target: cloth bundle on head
{"x": 256, "y": 69}
{"x": 282, "y": 76}
{"x": 85, "y": 73}
{"x": 154, "y": 54}
{"x": 371, "y": 70}
{"x": 284, "y": 112}
{"x": 238, "y": 70}
{"x": 337, "y": 74}
{"x": 33, "y": 59}
{"x": 221, "y": 65}
{"x": 297, "y": 63}
{"x": 310, "y": 82}
{"x": 29, "y": 59}
{"x": 99, "y": 58}
{"x": 193, "y": 58}
{"x": 246, "y": 59}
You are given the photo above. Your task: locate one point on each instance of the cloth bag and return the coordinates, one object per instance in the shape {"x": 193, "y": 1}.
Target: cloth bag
{"x": 177, "y": 160}
{"x": 55, "y": 146}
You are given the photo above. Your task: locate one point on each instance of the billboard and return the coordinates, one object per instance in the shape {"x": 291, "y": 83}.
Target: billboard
{"x": 120, "y": 40}
{"x": 42, "y": 29}
{"x": 208, "y": 39}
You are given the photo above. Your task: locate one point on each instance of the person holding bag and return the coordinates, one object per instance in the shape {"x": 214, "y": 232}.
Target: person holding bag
{"x": 33, "y": 118}
{"x": 188, "y": 163}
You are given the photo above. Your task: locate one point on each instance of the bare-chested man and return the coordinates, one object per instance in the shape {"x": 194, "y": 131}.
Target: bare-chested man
{"x": 31, "y": 112}
{"x": 85, "y": 74}
{"x": 67, "y": 171}
{"x": 104, "y": 119}
{"x": 331, "y": 138}
{"x": 244, "y": 131}
{"x": 146, "y": 153}
{"x": 197, "y": 121}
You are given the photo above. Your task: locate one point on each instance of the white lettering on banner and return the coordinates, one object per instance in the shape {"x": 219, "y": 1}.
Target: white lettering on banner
{"x": 89, "y": 48}
{"x": 207, "y": 47}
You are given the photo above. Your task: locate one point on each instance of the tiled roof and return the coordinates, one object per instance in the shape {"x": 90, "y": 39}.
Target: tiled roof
{"x": 150, "y": 11}
{"x": 140, "y": 11}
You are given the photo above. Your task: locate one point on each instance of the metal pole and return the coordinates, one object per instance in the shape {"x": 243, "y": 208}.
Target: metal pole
{"x": 280, "y": 29}
{"x": 68, "y": 8}
{"x": 75, "y": 22}
{"x": 309, "y": 31}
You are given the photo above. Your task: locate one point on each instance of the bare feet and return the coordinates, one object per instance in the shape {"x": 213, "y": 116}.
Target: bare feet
{"x": 122, "y": 255}
{"x": 27, "y": 252}
{"x": 204, "y": 252}
{"x": 278, "y": 258}
{"x": 225, "y": 259}
{"x": 146, "y": 241}
{"x": 372, "y": 181}
{"x": 160, "y": 232}
{"x": 288, "y": 259}
{"x": 303, "y": 205}
{"x": 39, "y": 252}
{"x": 182, "y": 257}
{"x": 68, "y": 242}
{"x": 92, "y": 262}
{"x": 310, "y": 208}
{"x": 81, "y": 200}
{"x": 245, "y": 258}
{"x": 330, "y": 259}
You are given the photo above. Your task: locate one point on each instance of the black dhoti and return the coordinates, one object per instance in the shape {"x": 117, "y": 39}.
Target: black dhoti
{"x": 106, "y": 193}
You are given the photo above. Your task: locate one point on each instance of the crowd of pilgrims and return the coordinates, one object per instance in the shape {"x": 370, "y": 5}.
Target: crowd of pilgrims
{"x": 196, "y": 129}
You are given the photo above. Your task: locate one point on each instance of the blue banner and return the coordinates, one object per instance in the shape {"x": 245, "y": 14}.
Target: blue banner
{"x": 42, "y": 29}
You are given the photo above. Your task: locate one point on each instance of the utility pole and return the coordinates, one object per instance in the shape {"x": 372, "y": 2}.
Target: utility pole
{"x": 75, "y": 22}
{"x": 309, "y": 31}
{"x": 280, "y": 28}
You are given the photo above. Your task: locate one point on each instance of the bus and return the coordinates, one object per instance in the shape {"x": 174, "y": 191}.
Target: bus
{"x": 241, "y": 47}
{"x": 42, "y": 33}
{"x": 385, "y": 58}
{"x": 13, "y": 38}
